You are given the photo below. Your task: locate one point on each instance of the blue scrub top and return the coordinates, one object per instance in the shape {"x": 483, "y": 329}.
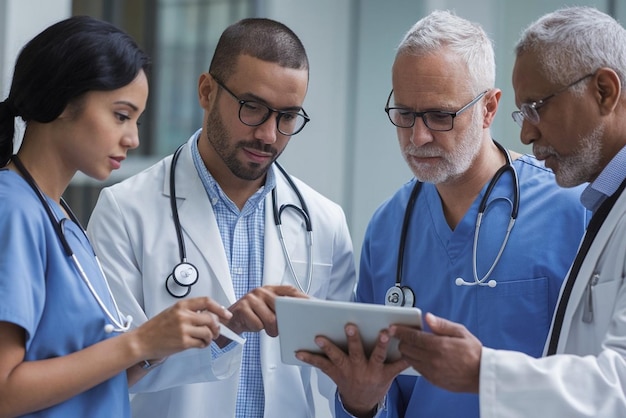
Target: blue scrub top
{"x": 42, "y": 292}
{"x": 514, "y": 315}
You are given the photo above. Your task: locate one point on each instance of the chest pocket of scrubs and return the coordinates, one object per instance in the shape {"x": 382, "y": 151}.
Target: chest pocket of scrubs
{"x": 514, "y": 315}
{"x": 320, "y": 279}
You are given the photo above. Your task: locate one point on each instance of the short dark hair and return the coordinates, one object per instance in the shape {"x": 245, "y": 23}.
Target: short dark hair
{"x": 60, "y": 65}
{"x": 261, "y": 38}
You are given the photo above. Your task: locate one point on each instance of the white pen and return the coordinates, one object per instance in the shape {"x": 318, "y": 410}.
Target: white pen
{"x": 231, "y": 335}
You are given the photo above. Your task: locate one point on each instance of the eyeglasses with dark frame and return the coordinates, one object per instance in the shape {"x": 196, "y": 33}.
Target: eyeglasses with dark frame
{"x": 435, "y": 120}
{"x": 254, "y": 113}
{"x": 528, "y": 111}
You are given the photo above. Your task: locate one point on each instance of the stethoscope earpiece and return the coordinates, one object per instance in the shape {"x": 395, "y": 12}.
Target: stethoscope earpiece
{"x": 460, "y": 282}
{"x": 109, "y": 328}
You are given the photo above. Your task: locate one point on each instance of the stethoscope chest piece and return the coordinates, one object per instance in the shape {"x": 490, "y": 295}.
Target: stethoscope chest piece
{"x": 400, "y": 296}
{"x": 185, "y": 274}
{"x": 179, "y": 283}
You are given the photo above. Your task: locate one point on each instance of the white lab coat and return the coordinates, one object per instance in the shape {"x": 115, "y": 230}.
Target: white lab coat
{"x": 133, "y": 234}
{"x": 587, "y": 377}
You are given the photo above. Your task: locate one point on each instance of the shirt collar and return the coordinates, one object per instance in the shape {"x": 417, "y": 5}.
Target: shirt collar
{"x": 213, "y": 189}
{"x": 606, "y": 183}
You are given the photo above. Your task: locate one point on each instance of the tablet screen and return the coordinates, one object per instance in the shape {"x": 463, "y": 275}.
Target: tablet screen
{"x": 301, "y": 320}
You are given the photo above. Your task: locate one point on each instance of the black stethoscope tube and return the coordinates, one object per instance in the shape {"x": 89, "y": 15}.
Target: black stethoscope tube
{"x": 403, "y": 295}
{"x": 182, "y": 285}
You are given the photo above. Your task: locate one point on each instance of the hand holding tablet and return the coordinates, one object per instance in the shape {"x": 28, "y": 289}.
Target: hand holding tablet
{"x": 301, "y": 320}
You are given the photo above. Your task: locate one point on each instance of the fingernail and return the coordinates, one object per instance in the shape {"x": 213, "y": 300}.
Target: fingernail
{"x": 320, "y": 343}
{"x": 350, "y": 331}
{"x": 384, "y": 338}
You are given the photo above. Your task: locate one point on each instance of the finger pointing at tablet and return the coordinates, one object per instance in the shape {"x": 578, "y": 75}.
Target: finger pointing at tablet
{"x": 255, "y": 311}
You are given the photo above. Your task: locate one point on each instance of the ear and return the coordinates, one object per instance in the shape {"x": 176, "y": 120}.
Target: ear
{"x": 608, "y": 89}
{"x": 492, "y": 99}
{"x": 207, "y": 88}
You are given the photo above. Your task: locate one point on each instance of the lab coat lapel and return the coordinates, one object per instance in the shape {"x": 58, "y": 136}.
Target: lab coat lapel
{"x": 198, "y": 223}
{"x": 587, "y": 269}
{"x": 276, "y": 270}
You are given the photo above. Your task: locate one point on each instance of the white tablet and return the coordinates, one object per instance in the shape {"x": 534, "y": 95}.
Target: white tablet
{"x": 301, "y": 320}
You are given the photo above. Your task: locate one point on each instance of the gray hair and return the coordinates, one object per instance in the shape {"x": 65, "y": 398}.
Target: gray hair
{"x": 575, "y": 41}
{"x": 443, "y": 29}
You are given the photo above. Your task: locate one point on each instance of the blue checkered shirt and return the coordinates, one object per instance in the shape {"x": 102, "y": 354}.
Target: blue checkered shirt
{"x": 242, "y": 233}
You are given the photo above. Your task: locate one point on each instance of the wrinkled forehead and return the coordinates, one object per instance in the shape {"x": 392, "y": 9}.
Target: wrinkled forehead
{"x": 430, "y": 72}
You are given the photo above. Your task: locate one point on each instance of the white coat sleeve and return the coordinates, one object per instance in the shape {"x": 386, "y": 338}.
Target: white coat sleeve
{"x": 569, "y": 385}
{"x": 515, "y": 385}
{"x": 117, "y": 244}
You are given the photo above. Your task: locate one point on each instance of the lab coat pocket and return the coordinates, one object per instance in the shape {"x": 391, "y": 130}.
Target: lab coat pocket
{"x": 599, "y": 302}
{"x": 320, "y": 278}
{"x": 515, "y": 315}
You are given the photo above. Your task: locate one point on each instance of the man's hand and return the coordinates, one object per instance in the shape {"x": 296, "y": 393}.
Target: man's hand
{"x": 256, "y": 310}
{"x": 362, "y": 382}
{"x": 448, "y": 358}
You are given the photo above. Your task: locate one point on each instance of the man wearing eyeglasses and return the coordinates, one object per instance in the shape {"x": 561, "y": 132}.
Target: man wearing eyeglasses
{"x": 226, "y": 196}
{"x": 569, "y": 77}
{"x": 453, "y": 256}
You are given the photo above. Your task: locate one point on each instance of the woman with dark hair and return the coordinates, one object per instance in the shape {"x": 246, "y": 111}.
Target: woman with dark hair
{"x": 65, "y": 348}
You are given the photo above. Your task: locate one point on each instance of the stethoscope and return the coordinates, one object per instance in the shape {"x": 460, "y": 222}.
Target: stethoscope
{"x": 399, "y": 295}
{"x": 184, "y": 275}
{"x": 118, "y": 324}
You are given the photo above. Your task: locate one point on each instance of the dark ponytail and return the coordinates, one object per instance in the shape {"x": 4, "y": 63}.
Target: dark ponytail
{"x": 7, "y": 131}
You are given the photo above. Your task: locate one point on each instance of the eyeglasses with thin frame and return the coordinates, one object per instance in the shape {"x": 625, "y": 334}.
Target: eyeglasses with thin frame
{"x": 435, "y": 120}
{"x": 529, "y": 111}
{"x": 254, "y": 113}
